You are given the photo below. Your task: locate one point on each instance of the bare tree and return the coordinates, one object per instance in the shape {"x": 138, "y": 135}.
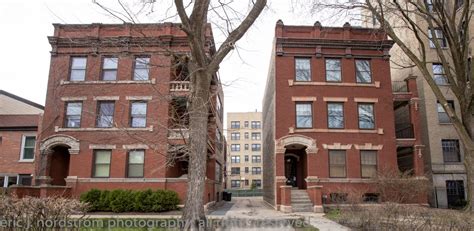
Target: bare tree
{"x": 202, "y": 66}
{"x": 420, "y": 28}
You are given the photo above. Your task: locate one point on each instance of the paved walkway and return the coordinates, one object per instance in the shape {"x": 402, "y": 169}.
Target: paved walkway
{"x": 256, "y": 208}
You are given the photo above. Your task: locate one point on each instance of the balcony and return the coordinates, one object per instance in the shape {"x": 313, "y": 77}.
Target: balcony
{"x": 404, "y": 131}
{"x": 179, "y": 86}
{"x": 399, "y": 86}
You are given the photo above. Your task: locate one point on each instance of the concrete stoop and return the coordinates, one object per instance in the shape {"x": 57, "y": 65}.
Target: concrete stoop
{"x": 300, "y": 201}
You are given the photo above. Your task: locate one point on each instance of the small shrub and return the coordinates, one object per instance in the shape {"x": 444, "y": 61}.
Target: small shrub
{"x": 131, "y": 201}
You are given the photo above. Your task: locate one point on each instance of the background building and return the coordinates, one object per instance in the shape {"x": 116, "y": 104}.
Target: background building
{"x": 116, "y": 111}
{"x": 244, "y": 158}
{"x": 330, "y": 117}
{"x": 19, "y": 119}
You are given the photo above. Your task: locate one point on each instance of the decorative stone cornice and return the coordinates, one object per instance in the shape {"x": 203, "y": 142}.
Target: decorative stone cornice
{"x": 145, "y": 98}
{"x": 134, "y": 146}
{"x": 60, "y": 140}
{"x": 102, "y": 146}
{"x": 77, "y": 98}
{"x": 303, "y": 98}
{"x": 106, "y": 98}
{"x": 309, "y": 143}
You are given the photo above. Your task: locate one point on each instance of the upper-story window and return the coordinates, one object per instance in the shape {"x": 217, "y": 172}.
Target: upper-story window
{"x": 235, "y": 147}
{"x": 366, "y": 116}
{"x": 335, "y": 115}
{"x": 438, "y": 74}
{"x": 302, "y": 69}
{"x": 235, "y": 124}
{"x": 451, "y": 151}
{"x": 235, "y": 136}
{"x": 458, "y": 4}
{"x": 246, "y": 124}
{"x": 138, "y": 114}
{"x": 337, "y": 163}
{"x": 78, "y": 68}
{"x": 333, "y": 70}
{"x": 256, "y": 147}
{"x": 246, "y": 135}
{"x": 105, "y": 114}
{"x": 141, "y": 68}
{"x": 235, "y": 159}
{"x": 443, "y": 116}
{"x": 73, "y": 115}
{"x": 363, "y": 71}
{"x": 304, "y": 117}
{"x": 109, "y": 68}
{"x": 439, "y": 37}
{"x": 28, "y": 148}
{"x": 256, "y": 125}
{"x": 256, "y": 136}
{"x": 368, "y": 163}
{"x": 101, "y": 165}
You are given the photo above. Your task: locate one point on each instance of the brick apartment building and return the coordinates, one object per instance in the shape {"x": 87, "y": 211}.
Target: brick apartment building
{"x": 19, "y": 119}
{"x": 330, "y": 119}
{"x": 244, "y": 160}
{"x": 115, "y": 114}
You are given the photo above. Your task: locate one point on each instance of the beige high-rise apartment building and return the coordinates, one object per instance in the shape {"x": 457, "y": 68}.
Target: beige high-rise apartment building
{"x": 244, "y": 150}
{"x": 443, "y": 153}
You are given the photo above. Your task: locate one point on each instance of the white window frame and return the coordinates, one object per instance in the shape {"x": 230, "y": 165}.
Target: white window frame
{"x": 22, "y": 150}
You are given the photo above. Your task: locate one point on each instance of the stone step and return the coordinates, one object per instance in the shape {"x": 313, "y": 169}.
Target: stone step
{"x": 302, "y": 208}
{"x": 300, "y": 201}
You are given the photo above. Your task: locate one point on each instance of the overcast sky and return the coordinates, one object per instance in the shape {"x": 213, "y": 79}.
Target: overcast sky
{"x": 25, "y": 54}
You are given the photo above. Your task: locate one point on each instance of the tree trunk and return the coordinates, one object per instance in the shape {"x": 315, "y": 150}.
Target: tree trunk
{"x": 468, "y": 164}
{"x": 198, "y": 121}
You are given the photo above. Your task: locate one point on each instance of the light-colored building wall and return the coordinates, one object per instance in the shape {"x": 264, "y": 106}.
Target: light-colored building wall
{"x": 12, "y": 106}
{"x": 433, "y": 130}
{"x": 249, "y": 123}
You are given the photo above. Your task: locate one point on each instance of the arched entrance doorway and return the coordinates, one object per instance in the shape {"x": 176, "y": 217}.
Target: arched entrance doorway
{"x": 55, "y": 158}
{"x": 59, "y": 165}
{"x": 296, "y": 166}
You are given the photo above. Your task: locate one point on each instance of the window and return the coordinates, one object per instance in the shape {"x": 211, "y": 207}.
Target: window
{"x": 179, "y": 112}
{"x": 257, "y": 183}
{"x": 246, "y": 124}
{"x": 235, "y": 124}
{"x": 246, "y": 146}
{"x": 303, "y": 69}
{"x": 235, "y": 159}
{"x": 25, "y": 179}
{"x": 105, "y": 117}
{"x": 235, "y": 171}
{"x": 458, "y": 4}
{"x": 335, "y": 115}
{"x": 218, "y": 173}
{"x": 304, "y": 115}
{"x": 333, "y": 70}
{"x": 256, "y": 147}
{"x": 235, "y": 136}
{"x": 136, "y": 162}
{"x": 138, "y": 114}
{"x": 101, "y": 166}
{"x": 366, "y": 116}
{"x": 337, "y": 163}
{"x": 141, "y": 70}
{"x": 246, "y": 182}
{"x": 455, "y": 193}
{"x": 434, "y": 5}
{"x": 363, "y": 72}
{"x": 439, "y": 75}
{"x": 235, "y": 147}
{"x": 439, "y": 37}
{"x": 235, "y": 183}
{"x": 256, "y": 170}
{"x": 368, "y": 163}
{"x": 429, "y": 5}
{"x": 256, "y": 125}
{"x": 28, "y": 148}
{"x": 256, "y": 136}
{"x": 451, "y": 151}
{"x": 246, "y": 169}
{"x": 73, "y": 114}
{"x": 78, "y": 69}
{"x": 442, "y": 115}
{"x": 256, "y": 159}
{"x": 246, "y": 135}
{"x": 109, "y": 68}
{"x": 337, "y": 198}
{"x": 246, "y": 158}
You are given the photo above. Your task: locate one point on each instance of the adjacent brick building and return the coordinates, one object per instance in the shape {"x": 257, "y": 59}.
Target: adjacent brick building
{"x": 115, "y": 114}
{"x": 19, "y": 119}
{"x": 330, "y": 119}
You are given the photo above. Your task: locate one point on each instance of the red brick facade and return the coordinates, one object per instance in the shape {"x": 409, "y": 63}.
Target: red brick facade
{"x": 68, "y": 156}
{"x": 309, "y": 143}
